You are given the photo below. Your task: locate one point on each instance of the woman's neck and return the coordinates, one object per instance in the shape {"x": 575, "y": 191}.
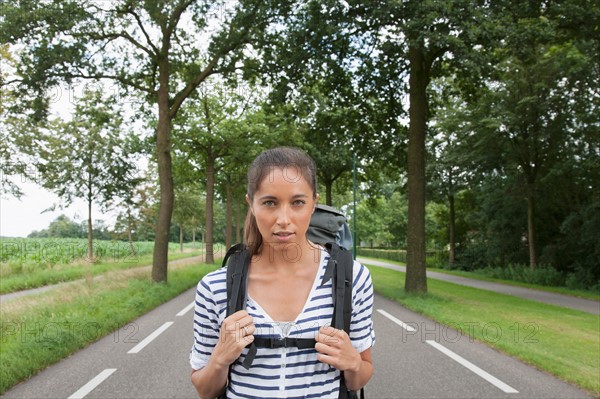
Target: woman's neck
{"x": 288, "y": 255}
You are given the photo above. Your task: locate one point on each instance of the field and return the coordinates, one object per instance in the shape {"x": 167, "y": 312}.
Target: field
{"x": 23, "y": 254}
{"x": 33, "y": 262}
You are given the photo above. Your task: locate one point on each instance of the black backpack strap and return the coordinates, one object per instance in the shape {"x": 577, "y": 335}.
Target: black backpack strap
{"x": 237, "y": 260}
{"x": 300, "y": 343}
{"x": 339, "y": 267}
{"x": 341, "y": 264}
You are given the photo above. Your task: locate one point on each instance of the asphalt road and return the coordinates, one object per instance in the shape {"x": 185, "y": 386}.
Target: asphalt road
{"x": 429, "y": 361}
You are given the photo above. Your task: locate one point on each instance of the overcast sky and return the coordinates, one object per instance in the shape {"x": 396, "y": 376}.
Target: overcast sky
{"x": 18, "y": 218}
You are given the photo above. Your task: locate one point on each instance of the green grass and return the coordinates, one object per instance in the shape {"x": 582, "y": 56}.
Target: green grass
{"x": 57, "y": 327}
{"x": 561, "y": 341}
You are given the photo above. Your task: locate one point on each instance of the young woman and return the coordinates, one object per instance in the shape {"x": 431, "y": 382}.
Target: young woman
{"x": 285, "y": 299}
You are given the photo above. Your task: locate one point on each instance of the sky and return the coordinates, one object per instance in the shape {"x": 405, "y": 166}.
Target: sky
{"x": 19, "y": 217}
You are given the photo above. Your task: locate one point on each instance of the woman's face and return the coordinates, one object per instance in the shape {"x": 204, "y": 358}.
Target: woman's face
{"x": 283, "y": 206}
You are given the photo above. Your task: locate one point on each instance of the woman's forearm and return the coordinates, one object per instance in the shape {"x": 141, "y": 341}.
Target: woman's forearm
{"x": 356, "y": 379}
{"x": 211, "y": 380}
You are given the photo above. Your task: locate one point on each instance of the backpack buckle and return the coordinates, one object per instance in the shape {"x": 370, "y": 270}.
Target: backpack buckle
{"x": 279, "y": 343}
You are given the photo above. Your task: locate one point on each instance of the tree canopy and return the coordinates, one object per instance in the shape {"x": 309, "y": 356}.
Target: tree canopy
{"x": 475, "y": 125}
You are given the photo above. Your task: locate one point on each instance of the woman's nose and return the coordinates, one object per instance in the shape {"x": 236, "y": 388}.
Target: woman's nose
{"x": 283, "y": 217}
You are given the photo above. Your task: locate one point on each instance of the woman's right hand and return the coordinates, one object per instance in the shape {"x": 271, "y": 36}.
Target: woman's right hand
{"x": 237, "y": 331}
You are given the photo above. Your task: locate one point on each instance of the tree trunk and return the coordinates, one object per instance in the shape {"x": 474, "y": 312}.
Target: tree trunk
{"x": 210, "y": 193}
{"x": 531, "y": 235}
{"x": 229, "y": 215}
{"x": 452, "y": 226}
{"x": 194, "y": 232}
{"x": 238, "y": 221}
{"x": 416, "y": 278}
{"x": 180, "y": 237}
{"x": 129, "y": 233}
{"x": 452, "y": 234}
{"x": 90, "y": 243}
{"x": 165, "y": 178}
{"x": 202, "y": 246}
{"x": 328, "y": 195}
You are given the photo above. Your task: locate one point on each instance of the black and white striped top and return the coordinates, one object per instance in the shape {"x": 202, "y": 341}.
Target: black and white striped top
{"x": 282, "y": 372}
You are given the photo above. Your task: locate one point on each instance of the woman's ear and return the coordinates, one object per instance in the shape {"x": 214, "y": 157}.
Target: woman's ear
{"x": 316, "y": 202}
{"x": 249, "y": 203}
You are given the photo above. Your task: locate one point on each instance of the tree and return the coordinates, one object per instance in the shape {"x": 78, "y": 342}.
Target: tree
{"x": 328, "y": 129}
{"x": 417, "y": 41}
{"x": 12, "y": 163}
{"x": 188, "y": 206}
{"x": 537, "y": 106}
{"x": 447, "y": 166}
{"x": 206, "y": 134}
{"x": 387, "y": 44}
{"x": 86, "y": 157}
{"x": 150, "y": 48}
{"x": 130, "y": 218}
{"x": 62, "y": 227}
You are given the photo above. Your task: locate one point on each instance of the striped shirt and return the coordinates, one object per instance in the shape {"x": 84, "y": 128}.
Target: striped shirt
{"x": 282, "y": 372}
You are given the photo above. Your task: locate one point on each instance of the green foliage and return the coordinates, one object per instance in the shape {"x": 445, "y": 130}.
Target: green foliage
{"x": 396, "y": 255}
{"x": 543, "y": 275}
{"x": 63, "y": 227}
{"x": 382, "y": 221}
{"x": 512, "y": 108}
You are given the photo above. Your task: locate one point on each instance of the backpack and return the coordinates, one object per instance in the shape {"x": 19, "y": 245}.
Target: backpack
{"x": 327, "y": 224}
{"x": 324, "y": 228}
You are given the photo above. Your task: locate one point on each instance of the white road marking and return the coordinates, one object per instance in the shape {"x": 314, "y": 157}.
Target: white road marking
{"x": 186, "y": 309}
{"x": 150, "y": 337}
{"x": 483, "y": 374}
{"x": 93, "y": 383}
{"x": 397, "y": 321}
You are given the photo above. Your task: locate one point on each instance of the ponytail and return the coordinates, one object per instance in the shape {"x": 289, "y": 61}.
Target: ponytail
{"x": 252, "y": 236}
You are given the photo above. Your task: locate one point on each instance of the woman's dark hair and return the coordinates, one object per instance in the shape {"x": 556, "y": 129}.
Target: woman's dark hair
{"x": 295, "y": 163}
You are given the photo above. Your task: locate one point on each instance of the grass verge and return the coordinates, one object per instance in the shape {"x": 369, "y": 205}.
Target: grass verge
{"x": 563, "y": 342}
{"x": 40, "y": 330}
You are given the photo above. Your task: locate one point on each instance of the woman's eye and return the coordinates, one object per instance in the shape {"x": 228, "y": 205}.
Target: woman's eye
{"x": 299, "y": 202}
{"x": 269, "y": 203}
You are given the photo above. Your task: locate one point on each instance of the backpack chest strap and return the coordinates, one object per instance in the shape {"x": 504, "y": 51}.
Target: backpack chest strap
{"x": 272, "y": 343}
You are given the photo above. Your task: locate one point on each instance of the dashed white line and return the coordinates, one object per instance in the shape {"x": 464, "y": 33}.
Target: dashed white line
{"x": 186, "y": 309}
{"x": 464, "y": 362}
{"x": 150, "y": 337}
{"x": 397, "y": 321}
{"x": 93, "y": 383}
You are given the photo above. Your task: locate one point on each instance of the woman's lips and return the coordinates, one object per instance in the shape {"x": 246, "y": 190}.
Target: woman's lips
{"x": 283, "y": 236}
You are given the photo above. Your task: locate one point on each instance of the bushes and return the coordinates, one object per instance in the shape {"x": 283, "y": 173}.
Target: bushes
{"x": 397, "y": 255}
{"x": 583, "y": 278}
{"x": 542, "y": 275}
{"x": 435, "y": 258}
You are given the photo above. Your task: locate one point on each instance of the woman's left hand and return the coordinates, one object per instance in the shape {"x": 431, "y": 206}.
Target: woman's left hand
{"x": 335, "y": 348}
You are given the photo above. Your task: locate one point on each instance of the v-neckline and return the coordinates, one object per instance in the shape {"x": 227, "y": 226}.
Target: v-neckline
{"x": 313, "y": 288}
